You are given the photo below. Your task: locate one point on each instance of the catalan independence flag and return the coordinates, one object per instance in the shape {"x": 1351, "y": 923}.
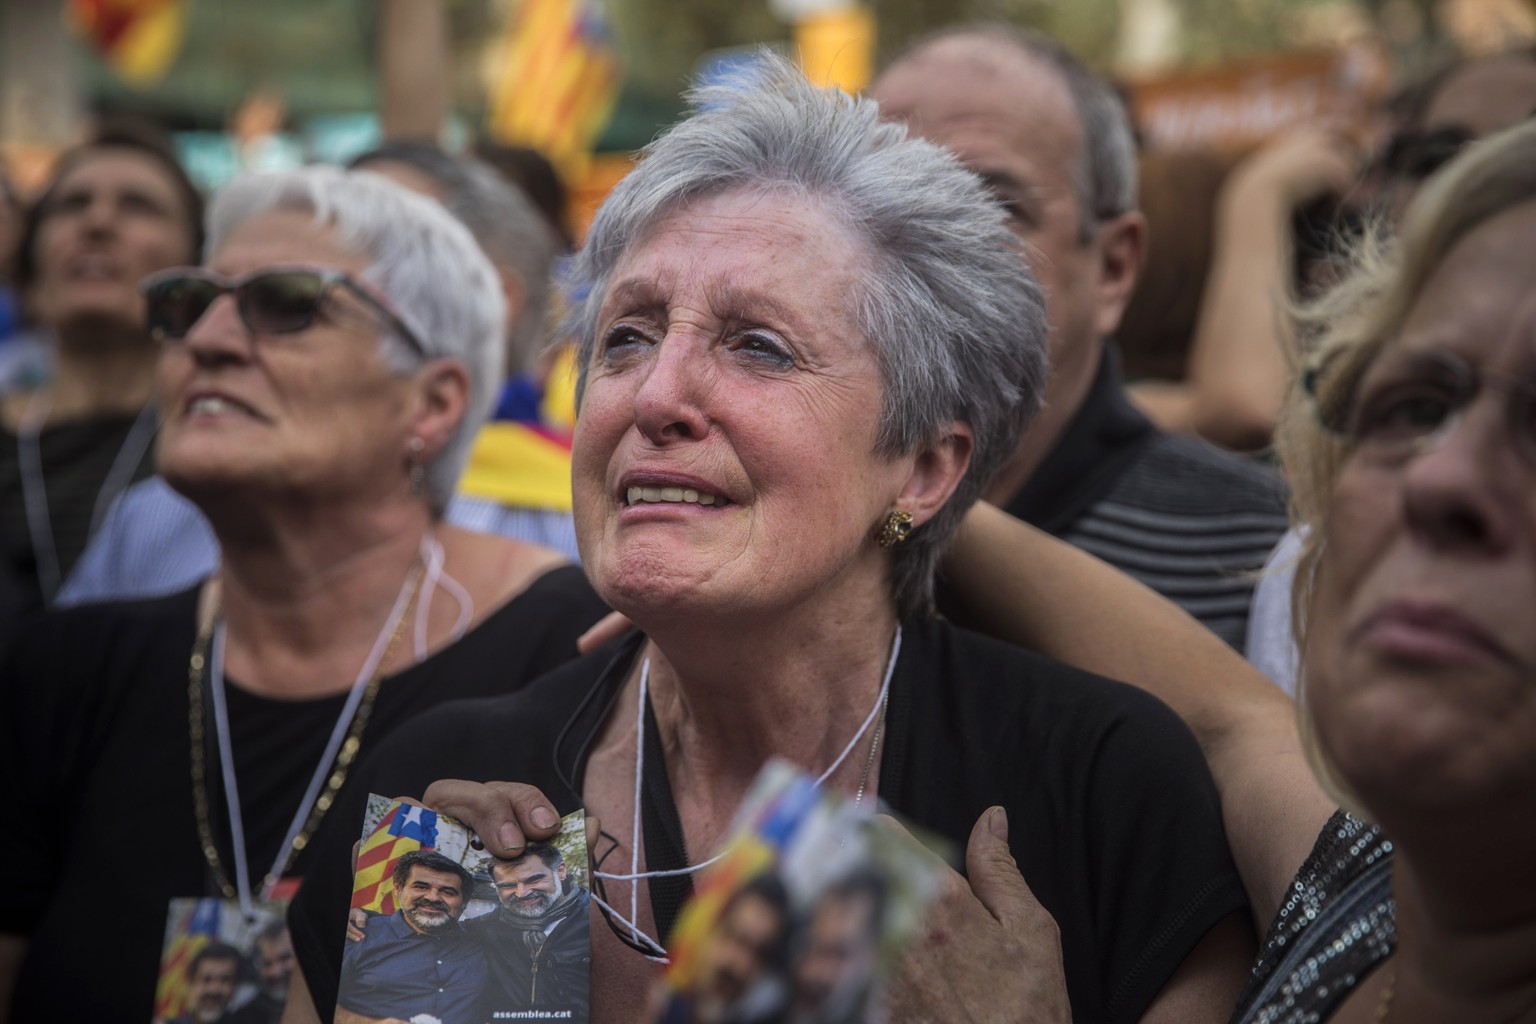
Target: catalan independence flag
{"x": 405, "y": 828}
{"x": 199, "y": 925}
{"x": 557, "y": 81}
{"x": 139, "y": 39}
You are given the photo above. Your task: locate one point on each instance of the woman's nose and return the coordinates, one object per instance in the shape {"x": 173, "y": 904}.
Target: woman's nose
{"x": 1465, "y": 492}
{"x": 219, "y": 333}
{"x": 671, "y": 397}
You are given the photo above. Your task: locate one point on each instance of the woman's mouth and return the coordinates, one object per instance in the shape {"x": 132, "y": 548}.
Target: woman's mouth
{"x": 1433, "y": 633}
{"x": 671, "y": 495}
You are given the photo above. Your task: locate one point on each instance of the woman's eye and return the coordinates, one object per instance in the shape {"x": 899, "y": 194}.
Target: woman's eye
{"x": 1404, "y": 411}
{"x": 765, "y": 347}
{"x": 621, "y": 339}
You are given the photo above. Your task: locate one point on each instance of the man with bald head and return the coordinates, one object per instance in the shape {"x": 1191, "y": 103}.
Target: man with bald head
{"x": 1053, "y": 142}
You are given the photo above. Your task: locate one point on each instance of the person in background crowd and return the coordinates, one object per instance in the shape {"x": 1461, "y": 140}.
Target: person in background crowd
{"x": 1239, "y": 359}
{"x": 1234, "y": 376}
{"x": 322, "y": 380}
{"x": 532, "y": 172}
{"x": 156, "y": 542}
{"x": 809, "y": 340}
{"x": 1177, "y": 197}
{"x": 119, "y": 207}
{"x": 1188, "y": 520}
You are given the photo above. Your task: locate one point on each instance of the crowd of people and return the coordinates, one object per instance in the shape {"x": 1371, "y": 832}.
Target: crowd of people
{"x": 856, "y": 481}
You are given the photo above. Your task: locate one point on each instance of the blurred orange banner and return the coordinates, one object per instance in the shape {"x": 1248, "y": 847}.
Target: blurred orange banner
{"x": 1239, "y": 105}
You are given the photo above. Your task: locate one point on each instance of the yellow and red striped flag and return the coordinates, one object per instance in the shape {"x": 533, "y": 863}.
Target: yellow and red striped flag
{"x": 556, "y": 81}
{"x": 198, "y": 926}
{"x": 139, "y": 39}
{"x": 405, "y": 828}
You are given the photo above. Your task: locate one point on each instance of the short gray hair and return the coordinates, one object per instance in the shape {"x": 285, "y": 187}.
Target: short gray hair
{"x": 956, "y": 322}
{"x": 1107, "y": 168}
{"x": 425, "y": 262}
{"x": 503, "y": 220}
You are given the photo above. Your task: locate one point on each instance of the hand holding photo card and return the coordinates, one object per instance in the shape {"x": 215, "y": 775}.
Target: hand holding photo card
{"x": 444, "y": 933}
{"x": 801, "y": 918}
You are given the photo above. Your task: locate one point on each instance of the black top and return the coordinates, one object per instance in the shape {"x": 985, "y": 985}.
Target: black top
{"x": 1189, "y": 520}
{"x": 96, "y": 760}
{"x": 1337, "y": 925}
{"x": 1114, "y": 820}
{"x": 76, "y": 458}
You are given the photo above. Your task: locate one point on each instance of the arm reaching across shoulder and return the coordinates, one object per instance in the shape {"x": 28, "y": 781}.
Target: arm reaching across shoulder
{"x": 1017, "y": 583}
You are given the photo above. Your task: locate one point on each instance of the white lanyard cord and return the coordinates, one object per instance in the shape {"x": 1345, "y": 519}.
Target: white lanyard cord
{"x": 227, "y": 759}
{"x": 433, "y": 558}
{"x": 635, "y": 874}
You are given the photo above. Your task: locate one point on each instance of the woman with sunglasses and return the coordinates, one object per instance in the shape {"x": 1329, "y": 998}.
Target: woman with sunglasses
{"x": 118, "y": 207}
{"x": 321, "y": 380}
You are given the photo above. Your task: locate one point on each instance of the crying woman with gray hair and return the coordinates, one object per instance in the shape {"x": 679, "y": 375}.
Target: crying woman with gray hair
{"x": 805, "y": 346}
{"x": 320, "y": 379}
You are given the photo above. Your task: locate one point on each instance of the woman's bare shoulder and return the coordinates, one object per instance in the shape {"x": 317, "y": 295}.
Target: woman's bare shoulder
{"x": 495, "y": 569}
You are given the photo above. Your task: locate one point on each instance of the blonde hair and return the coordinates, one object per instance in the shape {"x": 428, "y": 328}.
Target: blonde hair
{"x": 1348, "y": 326}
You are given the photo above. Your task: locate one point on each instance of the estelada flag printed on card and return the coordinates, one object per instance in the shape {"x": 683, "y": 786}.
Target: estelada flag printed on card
{"x": 405, "y": 828}
{"x": 557, "y": 81}
{"x": 198, "y": 927}
{"x": 139, "y": 39}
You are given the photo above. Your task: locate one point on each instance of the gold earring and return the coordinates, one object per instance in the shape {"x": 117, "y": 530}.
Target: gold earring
{"x": 418, "y": 471}
{"x": 894, "y": 529}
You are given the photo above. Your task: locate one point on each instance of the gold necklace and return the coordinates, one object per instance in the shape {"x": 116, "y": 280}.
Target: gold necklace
{"x": 196, "y": 666}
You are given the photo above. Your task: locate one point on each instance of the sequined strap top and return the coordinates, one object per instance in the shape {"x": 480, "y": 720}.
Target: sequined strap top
{"x": 1335, "y": 927}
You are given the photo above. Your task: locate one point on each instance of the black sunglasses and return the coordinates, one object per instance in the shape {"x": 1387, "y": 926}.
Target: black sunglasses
{"x": 282, "y": 301}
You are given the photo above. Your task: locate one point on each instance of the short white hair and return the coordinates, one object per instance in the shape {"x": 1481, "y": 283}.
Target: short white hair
{"x": 425, "y": 263}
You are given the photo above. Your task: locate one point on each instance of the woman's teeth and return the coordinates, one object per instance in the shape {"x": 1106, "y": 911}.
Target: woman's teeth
{"x": 212, "y": 405}
{"x": 670, "y": 494}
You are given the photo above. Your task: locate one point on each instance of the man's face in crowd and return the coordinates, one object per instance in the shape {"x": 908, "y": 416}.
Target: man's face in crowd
{"x": 739, "y": 953}
{"x": 839, "y": 953}
{"x": 528, "y": 887}
{"x": 430, "y": 900}
{"x": 1010, "y": 118}
{"x": 274, "y": 962}
{"x": 212, "y": 987}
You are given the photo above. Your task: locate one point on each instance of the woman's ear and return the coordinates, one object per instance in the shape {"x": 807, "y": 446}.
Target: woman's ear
{"x": 443, "y": 401}
{"x": 936, "y": 472}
